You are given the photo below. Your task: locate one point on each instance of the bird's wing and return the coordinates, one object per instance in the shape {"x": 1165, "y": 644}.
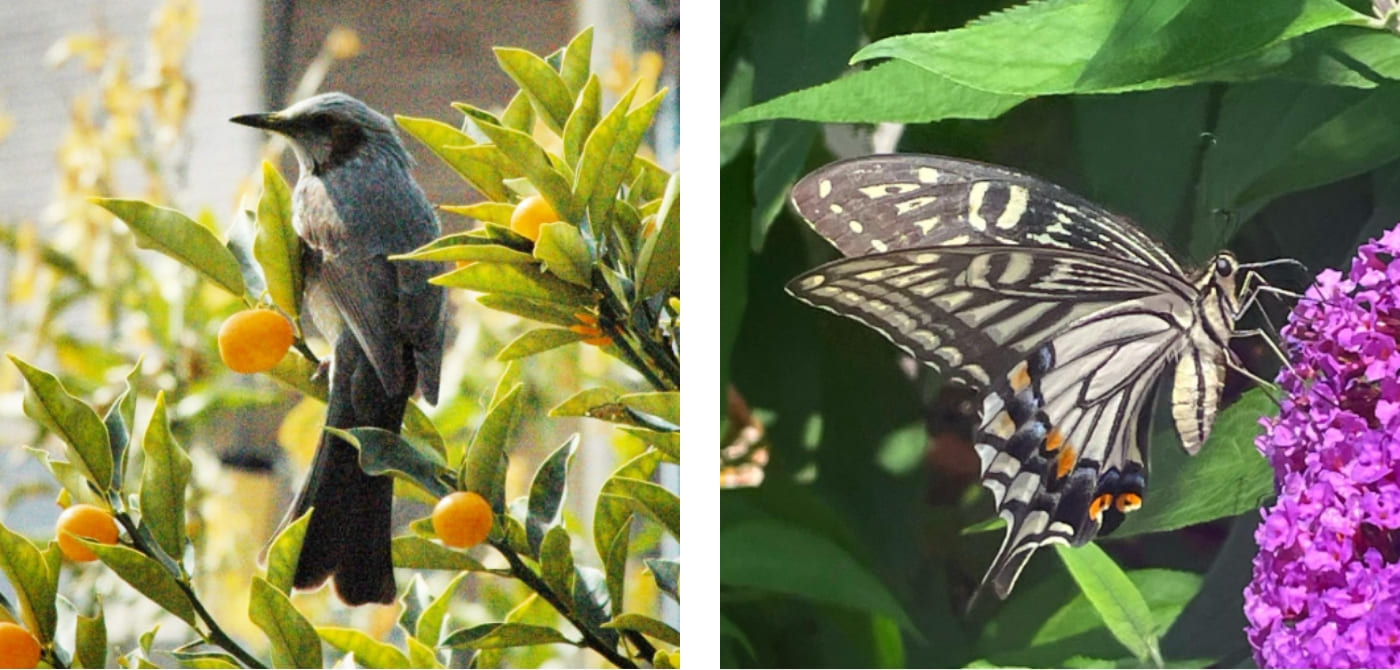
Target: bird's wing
{"x": 364, "y": 290}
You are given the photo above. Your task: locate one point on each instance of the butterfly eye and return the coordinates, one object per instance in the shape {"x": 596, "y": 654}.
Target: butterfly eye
{"x": 1223, "y": 267}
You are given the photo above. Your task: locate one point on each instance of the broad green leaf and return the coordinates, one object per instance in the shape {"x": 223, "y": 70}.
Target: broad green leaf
{"x": 438, "y": 137}
{"x": 146, "y": 576}
{"x": 369, "y": 652}
{"x": 574, "y": 68}
{"x": 479, "y": 237}
{"x": 532, "y": 342}
{"x": 1105, "y": 45}
{"x": 1359, "y": 139}
{"x": 277, "y": 247}
{"x": 582, "y": 121}
{"x": 653, "y": 500}
{"x": 412, "y": 601}
{"x": 503, "y": 635}
{"x": 648, "y": 180}
{"x": 547, "y": 492}
{"x": 177, "y": 236}
{"x": 74, "y": 421}
{"x": 547, "y": 90}
{"x": 90, "y": 640}
{"x": 411, "y": 551}
{"x": 417, "y": 426}
{"x": 659, "y": 265}
{"x": 429, "y": 627}
{"x": 284, "y": 553}
{"x": 769, "y": 555}
{"x": 654, "y": 411}
{"x": 862, "y": 97}
{"x": 584, "y": 402}
{"x": 35, "y": 585}
{"x": 483, "y": 470}
{"x": 164, "y": 475}
{"x": 612, "y": 162}
{"x": 519, "y": 281}
{"x": 563, "y": 250}
{"x": 296, "y": 371}
{"x": 557, "y": 560}
{"x": 611, "y": 512}
{"x": 496, "y": 212}
{"x": 667, "y": 574}
{"x": 1115, "y": 597}
{"x": 539, "y": 311}
{"x": 387, "y": 453}
{"x": 615, "y": 559}
{"x": 1227, "y": 477}
{"x": 519, "y": 114}
{"x": 292, "y": 639}
{"x": 421, "y": 655}
{"x": 646, "y": 626}
{"x": 534, "y": 164}
{"x": 462, "y": 253}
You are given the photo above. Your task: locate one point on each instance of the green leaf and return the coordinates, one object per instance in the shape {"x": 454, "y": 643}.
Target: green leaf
{"x": 574, "y": 68}
{"x": 547, "y": 90}
{"x": 516, "y": 281}
{"x": 411, "y": 551}
{"x": 563, "y": 250}
{"x": 519, "y": 114}
{"x": 90, "y": 640}
{"x": 612, "y": 512}
{"x": 475, "y": 250}
{"x": 1100, "y": 46}
{"x": 74, "y": 421}
{"x": 34, "y": 583}
{"x": 277, "y": 247}
{"x": 539, "y": 311}
{"x": 164, "y": 475}
{"x": 655, "y": 411}
{"x": 177, "y": 236}
{"x": 645, "y": 625}
{"x": 369, "y": 652}
{"x": 861, "y": 97}
{"x": 607, "y": 157}
{"x": 120, "y": 421}
{"x": 438, "y": 137}
{"x": 534, "y": 164}
{"x": 615, "y": 559}
{"x": 503, "y": 635}
{"x": 387, "y": 453}
{"x": 430, "y": 624}
{"x": 1116, "y": 598}
{"x": 582, "y": 121}
{"x": 667, "y": 574}
{"x": 496, "y": 212}
{"x": 1227, "y": 477}
{"x": 659, "y": 266}
{"x": 547, "y": 492}
{"x": 769, "y": 555}
{"x": 421, "y": 655}
{"x": 284, "y": 553}
{"x": 557, "y": 560}
{"x": 535, "y": 341}
{"x": 292, "y": 639}
{"x": 653, "y": 500}
{"x": 242, "y": 236}
{"x": 483, "y": 470}
{"x": 146, "y": 576}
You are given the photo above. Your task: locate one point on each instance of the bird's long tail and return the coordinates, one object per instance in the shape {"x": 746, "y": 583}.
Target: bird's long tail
{"x": 348, "y": 536}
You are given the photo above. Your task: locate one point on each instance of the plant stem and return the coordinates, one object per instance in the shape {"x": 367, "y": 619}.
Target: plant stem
{"x": 523, "y": 572}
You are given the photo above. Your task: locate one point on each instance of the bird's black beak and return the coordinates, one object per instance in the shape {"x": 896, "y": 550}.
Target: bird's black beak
{"x": 267, "y": 121}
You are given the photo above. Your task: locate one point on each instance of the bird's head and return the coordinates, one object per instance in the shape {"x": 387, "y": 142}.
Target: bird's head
{"x": 331, "y": 129}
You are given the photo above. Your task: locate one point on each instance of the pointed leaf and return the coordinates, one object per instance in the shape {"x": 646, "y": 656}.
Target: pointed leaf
{"x": 277, "y": 247}
{"x": 34, "y": 583}
{"x": 538, "y": 80}
{"x": 582, "y": 121}
{"x": 291, "y": 637}
{"x": 565, "y": 253}
{"x": 534, "y": 164}
{"x": 659, "y": 265}
{"x": 483, "y": 469}
{"x": 430, "y": 624}
{"x": 575, "y": 66}
{"x": 615, "y": 560}
{"x": 411, "y": 551}
{"x": 612, "y": 512}
{"x": 539, "y": 340}
{"x": 438, "y": 137}
{"x": 284, "y": 552}
{"x": 645, "y": 625}
{"x": 557, "y": 560}
{"x": 146, "y": 576}
{"x": 120, "y": 421}
{"x": 653, "y": 500}
{"x": 1116, "y": 598}
{"x": 386, "y": 453}
{"x": 667, "y": 574}
{"x": 519, "y": 114}
{"x": 547, "y": 492}
{"x": 519, "y": 281}
{"x": 164, "y": 475}
{"x": 495, "y": 212}
{"x": 177, "y": 236}
{"x": 368, "y": 651}
{"x": 543, "y": 312}
{"x": 90, "y": 640}
{"x": 74, "y": 421}
{"x": 503, "y": 635}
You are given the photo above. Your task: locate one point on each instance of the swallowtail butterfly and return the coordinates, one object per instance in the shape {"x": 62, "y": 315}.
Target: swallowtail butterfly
{"x": 1063, "y": 314}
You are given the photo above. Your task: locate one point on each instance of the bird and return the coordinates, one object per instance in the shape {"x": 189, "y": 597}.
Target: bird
{"x": 356, "y": 203}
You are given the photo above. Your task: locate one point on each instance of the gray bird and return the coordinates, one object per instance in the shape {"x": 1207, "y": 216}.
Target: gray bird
{"x": 354, "y": 204}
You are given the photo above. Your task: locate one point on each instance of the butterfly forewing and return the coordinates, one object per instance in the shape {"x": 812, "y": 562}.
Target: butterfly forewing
{"x": 884, "y": 203}
{"x": 1064, "y": 314}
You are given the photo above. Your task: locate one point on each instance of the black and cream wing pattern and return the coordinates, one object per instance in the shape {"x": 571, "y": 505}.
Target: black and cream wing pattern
{"x": 1063, "y": 315}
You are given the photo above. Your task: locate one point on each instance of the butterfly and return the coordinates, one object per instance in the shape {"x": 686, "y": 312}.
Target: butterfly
{"x": 1064, "y": 315}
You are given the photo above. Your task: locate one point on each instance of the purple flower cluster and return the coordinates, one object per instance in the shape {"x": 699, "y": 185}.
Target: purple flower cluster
{"x": 1326, "y": 587}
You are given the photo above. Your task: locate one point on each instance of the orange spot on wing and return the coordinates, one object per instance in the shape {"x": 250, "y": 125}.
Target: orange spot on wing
{"x": 1065, "y": 463}
{"x": 1020, "y": 378}
{"x": 1127, "y": 502}
{"x": 1054, "y": 440}
{"x": 1097, "y": 507}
